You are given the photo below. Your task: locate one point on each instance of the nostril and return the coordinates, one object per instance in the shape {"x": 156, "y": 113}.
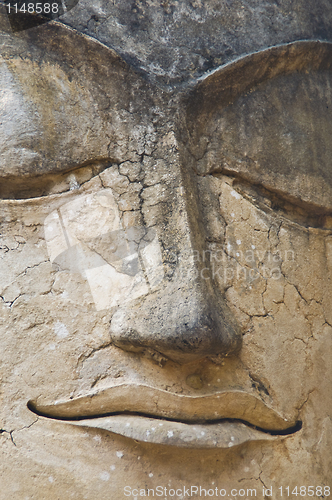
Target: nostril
{"x": 180, "y": 327}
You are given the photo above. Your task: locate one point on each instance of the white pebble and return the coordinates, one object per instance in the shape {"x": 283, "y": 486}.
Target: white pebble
{"x": 235, "y": 195}
{"x": 104, "y": 476}
{"x": 60, "y": 330}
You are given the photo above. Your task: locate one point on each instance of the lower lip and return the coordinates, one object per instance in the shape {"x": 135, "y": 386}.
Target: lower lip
{"x": 224, "y": 434}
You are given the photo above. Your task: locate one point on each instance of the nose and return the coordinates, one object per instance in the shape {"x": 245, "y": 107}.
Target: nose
{"x": 186, "y": 317}
{"x": 181, "y": 323}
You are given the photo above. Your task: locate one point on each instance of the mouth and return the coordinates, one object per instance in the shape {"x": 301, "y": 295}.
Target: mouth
{"x": 221, "y": 420}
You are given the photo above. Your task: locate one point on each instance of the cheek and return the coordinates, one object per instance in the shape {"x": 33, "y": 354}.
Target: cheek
{"x": 277, "y": 284}
{"x": 49, "y": 317}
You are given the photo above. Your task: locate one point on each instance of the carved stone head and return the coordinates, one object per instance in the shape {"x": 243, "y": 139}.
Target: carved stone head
{"x": 165, "y": 271}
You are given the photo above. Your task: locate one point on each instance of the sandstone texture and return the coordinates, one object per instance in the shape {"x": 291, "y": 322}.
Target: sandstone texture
{"x": 166, "y": 252}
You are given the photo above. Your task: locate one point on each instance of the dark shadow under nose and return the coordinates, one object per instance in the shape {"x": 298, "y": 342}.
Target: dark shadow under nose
{"x": 183, "y": 324}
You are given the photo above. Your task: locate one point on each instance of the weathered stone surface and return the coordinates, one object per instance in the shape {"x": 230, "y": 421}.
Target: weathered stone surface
{"x": 165, "y": 256}
{"x": 177, "y": 41}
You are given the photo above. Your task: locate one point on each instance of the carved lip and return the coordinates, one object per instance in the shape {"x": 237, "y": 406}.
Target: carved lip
{"x": 222, "y": 419}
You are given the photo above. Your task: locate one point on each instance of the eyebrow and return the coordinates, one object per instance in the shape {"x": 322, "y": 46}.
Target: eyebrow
{"x": 222, "y": 86}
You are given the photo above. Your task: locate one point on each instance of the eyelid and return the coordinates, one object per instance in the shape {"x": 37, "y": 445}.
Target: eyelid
{"x": 281, "y": 204}
{"x": 49, "y": 184}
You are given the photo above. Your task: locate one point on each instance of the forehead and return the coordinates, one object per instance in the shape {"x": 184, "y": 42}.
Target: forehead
{"x": 178, "y": 40}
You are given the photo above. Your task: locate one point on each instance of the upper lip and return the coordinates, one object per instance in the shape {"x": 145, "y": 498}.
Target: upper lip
{"x": 149, "y": 401}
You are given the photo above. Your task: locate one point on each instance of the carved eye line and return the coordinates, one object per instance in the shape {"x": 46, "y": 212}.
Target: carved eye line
{"x": 51, "y": 184}
{"x": 274, "y": 202}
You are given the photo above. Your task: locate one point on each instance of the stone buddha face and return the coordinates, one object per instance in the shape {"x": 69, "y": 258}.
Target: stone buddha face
{"x": 165, "y": 272}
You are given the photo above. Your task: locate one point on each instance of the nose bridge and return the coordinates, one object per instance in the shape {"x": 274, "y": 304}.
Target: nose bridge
{"x": 185, "y": 317}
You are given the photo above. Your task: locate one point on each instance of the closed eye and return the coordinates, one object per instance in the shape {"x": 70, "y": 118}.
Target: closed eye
{"x": 266, "y": 121}
{"x": 283, "y": 205}
{"x": 17, "y": 188}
